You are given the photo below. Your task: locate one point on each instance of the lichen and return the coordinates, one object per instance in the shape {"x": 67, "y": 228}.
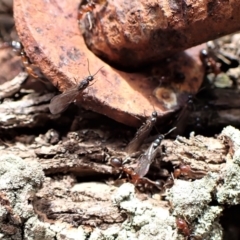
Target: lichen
{"x": 188, "y": 199}
{"x": 18, "y": 183}
{"x": 144, "y": 220}
{"x": 233, "y": 133}
{"x": 229, "y": 191}
{"x": 208, "y": 226}
{"x": 36, "y": 230}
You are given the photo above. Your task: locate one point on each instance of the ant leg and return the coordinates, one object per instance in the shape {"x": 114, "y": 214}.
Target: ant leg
{"x": 89, "y": 20}
{"x": 31, "y": 72}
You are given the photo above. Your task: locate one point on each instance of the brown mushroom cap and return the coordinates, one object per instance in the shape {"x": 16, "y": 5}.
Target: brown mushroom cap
{"x": 51, "y": 38}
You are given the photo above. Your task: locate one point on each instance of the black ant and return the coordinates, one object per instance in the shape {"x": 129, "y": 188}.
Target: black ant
{"x": 141, "y": 134}
{"x": 61, "y": 102}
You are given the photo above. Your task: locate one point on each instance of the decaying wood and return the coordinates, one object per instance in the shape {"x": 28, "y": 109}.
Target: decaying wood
{"x": 31, "y": 110}
{"x": 11, "y": 87}
{"x": 76, "y": 203}
{"x": 72, "y": 160}
{"x": 76, "y": 154}
{"x": 86, "y": 155}
{"x": 217, "y": 108}
{"x": 202, "y": 153}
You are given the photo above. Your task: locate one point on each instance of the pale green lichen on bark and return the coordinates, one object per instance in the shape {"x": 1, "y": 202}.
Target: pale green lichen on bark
{"x": 190, "y": 201}
{"x": 144, "y": 220}
{"x": 207, "y": 223}
{"x": 233, "y": 133}
{"x": 36, "y": 230}
{"x": 18, "y": 183}
{"x": 229, "y": 191}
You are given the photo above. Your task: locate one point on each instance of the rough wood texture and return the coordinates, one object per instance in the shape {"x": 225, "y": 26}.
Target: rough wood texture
{"x": 87, "y": 207}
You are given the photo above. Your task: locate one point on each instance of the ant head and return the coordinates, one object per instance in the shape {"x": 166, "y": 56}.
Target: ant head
{"x": 204, "y": 53}
{"x": 17, "y": 45}
{"x": 190, "y": 97}
{"x": 156, "y": 143}
{"x": 160, "y": 137}
{"x": 159, "y": 184}
{"x": 90, "y": 75}
{"x": 154, "y": 114}
{"x": 115, "y": 162}
{"x": 90, "y": 78}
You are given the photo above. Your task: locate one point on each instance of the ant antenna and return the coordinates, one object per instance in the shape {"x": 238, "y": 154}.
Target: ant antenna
{"x": 88, "y": 68}
{"x": 170, "y": 131}
{"x": 95, "y": 72}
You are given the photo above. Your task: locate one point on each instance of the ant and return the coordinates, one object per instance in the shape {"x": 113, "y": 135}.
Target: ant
{"x": 210, "y": 63}
{"x": 18, "y": 47}
{"x": 189, "y": 106}
{"x": 182, "y": 118}
{"x": 85, "y": 9}
{"x": 134, "y": 177}
{"x": 89, "y": 7}
{"x": 186, "y": 170}
{"x": 144, "y": 162}
{"x": 61, "y": 102}
{"x": 146, "y": 159}
{"x": 141, "y": 134}
{"x": 182, "y": 225}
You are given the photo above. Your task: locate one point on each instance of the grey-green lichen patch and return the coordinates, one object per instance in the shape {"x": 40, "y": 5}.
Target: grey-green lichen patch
{"x": 36, "y": 230}
{"x": 16, "y": 174}
{"x": 208, "y": 222}
{"x": 71, "y": 234}
{"x": 234, "y": 134}
{"x": 222, "y": 80}
{"x": 189, "y": 199}
{"x": 110, "y": 234}
{"x": 229, "y": 191}
{"x": 18, "y": 183}
{"x": 123, "y": 194}
{"x": 144, "y": 220}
